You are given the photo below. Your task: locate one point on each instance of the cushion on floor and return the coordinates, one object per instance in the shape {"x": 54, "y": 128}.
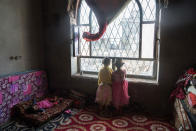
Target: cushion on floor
{"x": 19, "y": 112}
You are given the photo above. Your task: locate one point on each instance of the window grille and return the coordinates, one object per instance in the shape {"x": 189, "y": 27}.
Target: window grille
{"x": 131, "y": 36}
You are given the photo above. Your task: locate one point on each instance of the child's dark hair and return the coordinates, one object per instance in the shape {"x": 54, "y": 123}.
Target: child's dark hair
{"x": 119, "y": 63}
{"x": 106, "y": 61}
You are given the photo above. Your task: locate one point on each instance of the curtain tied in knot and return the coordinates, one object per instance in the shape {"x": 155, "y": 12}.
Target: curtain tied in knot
{"x": 105, "y": 11}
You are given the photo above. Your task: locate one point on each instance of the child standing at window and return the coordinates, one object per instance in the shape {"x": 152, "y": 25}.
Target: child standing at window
{"x": 120, "y": 95}
{"x": 104, "y": 90}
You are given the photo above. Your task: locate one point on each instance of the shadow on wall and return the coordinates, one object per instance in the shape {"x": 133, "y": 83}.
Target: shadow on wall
{"x": 33, "y": 45}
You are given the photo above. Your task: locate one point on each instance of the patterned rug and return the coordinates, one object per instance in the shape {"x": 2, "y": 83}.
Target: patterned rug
{"x": 49, "y": 126}
{"x": 89, "y": 120}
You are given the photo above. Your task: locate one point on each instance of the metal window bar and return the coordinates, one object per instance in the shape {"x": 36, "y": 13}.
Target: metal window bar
{"x": 75, "y": 53}
{"x": 90, "y": 30}
{"x": 125, "y": 58}
{"x": 128, "y": 75}
{"x": 156, "y": 39}
{"x": 141, "y": 21}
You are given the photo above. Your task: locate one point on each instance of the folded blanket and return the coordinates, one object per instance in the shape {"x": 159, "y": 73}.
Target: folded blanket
{"x": 192, "y": 89}
{"x": 45, "y": 104}
{"x": 192, "y": 99}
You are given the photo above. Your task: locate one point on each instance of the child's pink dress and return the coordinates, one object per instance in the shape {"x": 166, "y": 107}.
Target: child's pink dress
{"x": 120, "y": 96}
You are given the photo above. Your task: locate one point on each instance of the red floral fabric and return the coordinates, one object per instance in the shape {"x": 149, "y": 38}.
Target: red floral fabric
{"x": 182, "y": 84}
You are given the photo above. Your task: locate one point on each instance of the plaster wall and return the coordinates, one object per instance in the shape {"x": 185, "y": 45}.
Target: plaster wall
{"x": 21, "y": 35}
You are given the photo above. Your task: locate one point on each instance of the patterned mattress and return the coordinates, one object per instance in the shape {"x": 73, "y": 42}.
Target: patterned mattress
{"x": 19, "y": 112}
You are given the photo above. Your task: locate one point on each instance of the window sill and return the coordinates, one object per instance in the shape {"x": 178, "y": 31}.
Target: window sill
{"x": 131, "y": 80}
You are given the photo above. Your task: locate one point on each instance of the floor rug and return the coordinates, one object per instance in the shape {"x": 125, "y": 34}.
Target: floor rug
{"x": 49, "y": 126}
{"x": 89, "y": 120}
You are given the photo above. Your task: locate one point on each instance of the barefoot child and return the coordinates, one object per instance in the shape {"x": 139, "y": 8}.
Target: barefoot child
{"x": 120, "y": 95}
{"x": 104, "y": 90}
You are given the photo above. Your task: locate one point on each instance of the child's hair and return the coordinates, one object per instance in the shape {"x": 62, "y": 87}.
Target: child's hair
{"x": 119, "y": 63}
{"x": 106, "y": 61}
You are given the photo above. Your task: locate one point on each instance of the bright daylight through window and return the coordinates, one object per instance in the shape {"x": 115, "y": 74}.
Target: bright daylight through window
{"x": 131, "y": 36}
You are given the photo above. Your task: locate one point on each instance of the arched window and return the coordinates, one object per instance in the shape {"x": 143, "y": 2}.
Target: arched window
{"x": 131, "y": 36}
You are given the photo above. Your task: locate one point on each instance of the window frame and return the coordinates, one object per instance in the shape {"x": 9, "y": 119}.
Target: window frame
{"x": 156, "y": 43}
